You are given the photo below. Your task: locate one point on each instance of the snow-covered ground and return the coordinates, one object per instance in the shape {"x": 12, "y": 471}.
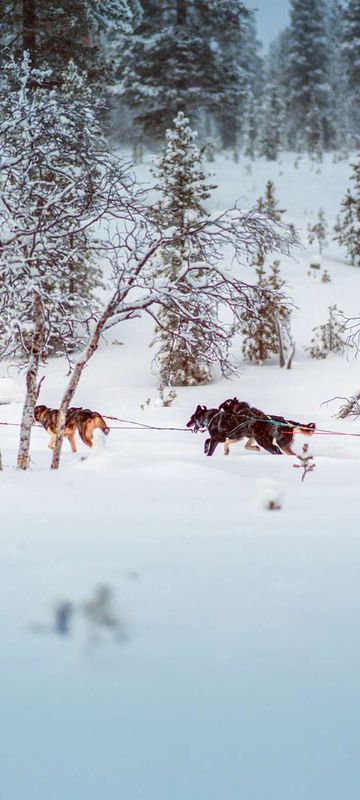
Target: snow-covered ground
{"x": 233, "y": 670}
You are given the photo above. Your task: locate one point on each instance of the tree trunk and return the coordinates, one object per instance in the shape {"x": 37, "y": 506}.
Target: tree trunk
{"x": 29, "y": 28}
{"x": 181, "y": 12}
{"x": 280, "y": 343}
{"x": 74, "y": 381}
{"x": 290, "y": 359}
{"x": 31, "y": 383}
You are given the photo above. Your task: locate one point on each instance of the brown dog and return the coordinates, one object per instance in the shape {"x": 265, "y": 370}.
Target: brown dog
{"x": 77, "y": 419}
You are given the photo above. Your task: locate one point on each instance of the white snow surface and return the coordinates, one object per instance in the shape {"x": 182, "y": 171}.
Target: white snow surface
{"x": 234, "y": 671}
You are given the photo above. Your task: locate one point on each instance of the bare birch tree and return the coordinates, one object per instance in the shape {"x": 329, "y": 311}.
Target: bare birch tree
{"x": 206, "y": 293}
{"x": 57, "y": 181}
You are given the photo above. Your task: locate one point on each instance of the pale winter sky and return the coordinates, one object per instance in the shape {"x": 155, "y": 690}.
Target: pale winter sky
{"x": 272, "y": 17}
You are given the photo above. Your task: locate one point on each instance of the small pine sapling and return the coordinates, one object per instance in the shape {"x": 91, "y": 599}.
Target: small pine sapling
{"x": 318, "y": 231}
{"x": 286, "y": 343}
{"x": 305, "y": 462}
{"x": 209, "y": 150}
{"x": 168, "y": 399}
{"x": 347, "y": 227}
{"x": 165, "y": 399}
{"x": 259, "y": 333}
{"x": 328, "y": 337}
{"x": 269, "y": 332}
{"x": 145, "y": 403}
{"x": 184, "y": 188}
{"x": 268, "y": 205}
{"x": 325, "y": 278}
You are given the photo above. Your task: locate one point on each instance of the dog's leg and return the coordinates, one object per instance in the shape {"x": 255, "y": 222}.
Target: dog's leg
{"x": 87, "y": 437}
{"x": 227, "y": 447}
{"x": 212, "y": 447}
{"x": 286, "y": 449}
{"x": 71, "y": 440}
{"x": 51, "y": 444}
{"x": 206, "y": 446}
{"x": 264, "y": 440}
{"x": 285, "y": 441}
{"x": 250, "y": 445}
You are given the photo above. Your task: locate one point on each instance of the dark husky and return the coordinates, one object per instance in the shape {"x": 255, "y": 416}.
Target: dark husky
{"x": 274, "y": 433}
{"x": 77, "y": 419}
{"x": 223, "y": 426}
{"x": 235, "y": 420}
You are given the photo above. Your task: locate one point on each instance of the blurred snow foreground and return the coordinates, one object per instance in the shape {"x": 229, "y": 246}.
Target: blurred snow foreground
{"x": 239, "y": 679}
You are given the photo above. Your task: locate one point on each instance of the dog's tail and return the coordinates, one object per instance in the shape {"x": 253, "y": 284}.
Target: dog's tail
{"x": 306, "y": 430}
{"x": 102, "y": 424}
{"x": 87, "y": 422}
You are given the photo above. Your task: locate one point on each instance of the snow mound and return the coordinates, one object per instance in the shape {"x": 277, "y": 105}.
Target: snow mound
{"x": 270, "y": 496}
{"x": 9, "y": 391}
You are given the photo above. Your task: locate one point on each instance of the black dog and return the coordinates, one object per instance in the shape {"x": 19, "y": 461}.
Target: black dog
{"x": 223, "y": 426}
{"x": 235, "y": 420}
{"x": 274, "y": 433}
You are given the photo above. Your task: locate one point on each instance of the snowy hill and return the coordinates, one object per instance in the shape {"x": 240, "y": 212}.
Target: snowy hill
{"x": 233, "y": 670}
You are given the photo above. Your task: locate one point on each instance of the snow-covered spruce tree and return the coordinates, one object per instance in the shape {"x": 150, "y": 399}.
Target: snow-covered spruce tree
{"x": 235, "y": 112}
{"x": 55, "y": 33}
{"x": 238, "y": 64}
{"x": 276, "y": 83}
{"x": 268, "y": 332}
{"x": 351, "y": 56}
{"x": 328, "y": 338}
{"x": 309, "y": 92}
{"x": 347, "y": 228}
{"x": 46, "y": 187}
{"x": 273, "y": 113}
{"x": 56, "y": 182}
{"x": 180, "y": 58}
{"x": 286, "y": 344}
{"x": 268, "y": 204}
{"x": 318, "y": 231}
{"x": 250, "y": 131}
{"x": 183, "y": 190}
{"x": 339, "y": 84}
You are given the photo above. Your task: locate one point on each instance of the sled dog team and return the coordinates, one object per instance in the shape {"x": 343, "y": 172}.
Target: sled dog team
{"x": 235, "y": 420}
{"x": 231, "y": 422}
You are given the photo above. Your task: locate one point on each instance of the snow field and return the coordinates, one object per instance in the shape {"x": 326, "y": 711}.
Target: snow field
{"x": 238, "y": 675}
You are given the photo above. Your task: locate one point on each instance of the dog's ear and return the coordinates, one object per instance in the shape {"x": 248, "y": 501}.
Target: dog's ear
{"x": 198, "y": 409}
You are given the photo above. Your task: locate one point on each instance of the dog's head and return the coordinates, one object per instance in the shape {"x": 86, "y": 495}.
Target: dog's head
{"x": 38, "y": 411}
{"x": 198, "y": 420}
{"x": 234, "y": 406}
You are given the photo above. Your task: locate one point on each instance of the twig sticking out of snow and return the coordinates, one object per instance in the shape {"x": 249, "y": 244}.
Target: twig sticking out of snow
{"x": 350, "y": 408}
{"x": 305, "y": 464}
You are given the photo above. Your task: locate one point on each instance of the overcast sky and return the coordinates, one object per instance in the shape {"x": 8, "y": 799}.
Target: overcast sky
{"x": 272, "y": 17}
